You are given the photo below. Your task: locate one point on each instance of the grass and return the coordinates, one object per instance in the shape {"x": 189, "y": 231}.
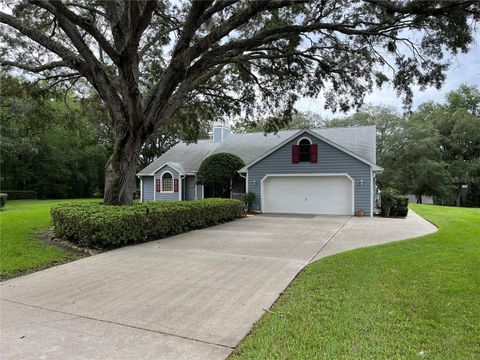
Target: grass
{"x": 20, "y": 252}
{"x": 412, "y": 299}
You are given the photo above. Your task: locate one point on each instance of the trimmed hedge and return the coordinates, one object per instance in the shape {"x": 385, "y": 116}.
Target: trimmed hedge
{"x": 105, "y": 226}
{"x": 20, "y": 194}
{"x": 393, "y": 204}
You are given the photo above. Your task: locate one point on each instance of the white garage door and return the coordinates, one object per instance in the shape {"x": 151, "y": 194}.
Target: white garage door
{"x": 308, "y": 194}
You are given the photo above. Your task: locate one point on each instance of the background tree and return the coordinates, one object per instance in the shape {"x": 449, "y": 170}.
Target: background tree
{"x": 220, "y": 171}
{"x": 434, "y": 150}
{"x": 147, "y": 60}
{"x": 389, "y": 125}
{"x": 48, "y": 143}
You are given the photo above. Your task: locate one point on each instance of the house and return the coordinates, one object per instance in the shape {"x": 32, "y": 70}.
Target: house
{"x": 318, "y": 171}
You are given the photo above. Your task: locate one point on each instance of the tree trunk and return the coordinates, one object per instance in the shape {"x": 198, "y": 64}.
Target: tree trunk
{"x": 120, "y": 172}
{"x": 419, "y": 199}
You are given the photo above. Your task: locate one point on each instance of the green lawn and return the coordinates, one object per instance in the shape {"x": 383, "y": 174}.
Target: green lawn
{"x": 19, "y": 251}
{"x": 413, "y": 299}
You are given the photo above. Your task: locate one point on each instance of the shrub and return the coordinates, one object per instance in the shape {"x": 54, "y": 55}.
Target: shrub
{"x": 248, "y": 199}
{"x": 105, "y": 226}
{"x": 3, "y": 199}
{"x": 400, "y": 206}
{"x": 388, "y": 196}
{"x": 20, "y": 194}
{"x": 221, "y": 171}
{"x": 393, "y": 204}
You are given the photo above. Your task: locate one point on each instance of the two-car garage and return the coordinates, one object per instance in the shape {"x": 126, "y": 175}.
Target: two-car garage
{"x": 308, "y": 194}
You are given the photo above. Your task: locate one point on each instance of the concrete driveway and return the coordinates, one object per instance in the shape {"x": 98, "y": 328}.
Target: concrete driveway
{"x": 191, "y": 296}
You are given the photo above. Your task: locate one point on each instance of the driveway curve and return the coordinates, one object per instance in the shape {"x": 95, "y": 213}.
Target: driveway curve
{"x": 191, "y": 296}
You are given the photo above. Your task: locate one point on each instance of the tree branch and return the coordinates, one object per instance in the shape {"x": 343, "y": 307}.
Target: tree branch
{"x": 191, "y": 25}
{"x": 71, "y": 59}
{"x": 140, "y": 25}
{"x": 84, "y": 23}
{"x": 35, "y": 69}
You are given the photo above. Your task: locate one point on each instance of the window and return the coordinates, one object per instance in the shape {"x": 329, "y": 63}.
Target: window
{"x": 167, "y": 182}
{"x": 304, "y": 150}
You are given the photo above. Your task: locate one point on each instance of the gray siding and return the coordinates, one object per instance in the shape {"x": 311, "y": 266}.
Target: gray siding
{"x": 189, "y": 190}
{"x": 199, "y": 191}
{"x": 330, "y": 160}
{"x": 166, "y": 196}
{"x": 147, "y": 188}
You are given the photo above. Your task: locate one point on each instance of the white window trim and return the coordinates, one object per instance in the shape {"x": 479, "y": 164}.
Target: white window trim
{"x": 161, "y": 183}
{"x": 262, "y": 184}
{"x": 298, "y": 144}
{"x": 304, "y": 138}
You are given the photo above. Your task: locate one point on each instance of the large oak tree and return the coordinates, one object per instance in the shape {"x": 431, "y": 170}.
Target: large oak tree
{"x": 151, "y": 60}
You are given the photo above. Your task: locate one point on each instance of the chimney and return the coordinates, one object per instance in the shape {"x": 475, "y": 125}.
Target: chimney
{"x": 220, "y": 132}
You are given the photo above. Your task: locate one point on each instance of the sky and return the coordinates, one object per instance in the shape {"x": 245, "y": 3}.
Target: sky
{"x": 464, "y": 69}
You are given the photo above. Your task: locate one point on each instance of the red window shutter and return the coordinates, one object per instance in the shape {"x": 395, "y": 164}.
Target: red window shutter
{"x": 158, "y": 185}
{"x": 313, "y": 153}
{"x": 295, "y": 154}
{"x": 175, "y": 185}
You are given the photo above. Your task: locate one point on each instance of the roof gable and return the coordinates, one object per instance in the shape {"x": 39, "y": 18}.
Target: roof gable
{"x": 315, "y": 135}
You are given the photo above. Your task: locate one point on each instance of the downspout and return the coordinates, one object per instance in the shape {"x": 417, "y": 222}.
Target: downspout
{"x": 196, "y": 188}
{"x": 180, "y": 192}
{"x": 246, "y": 180}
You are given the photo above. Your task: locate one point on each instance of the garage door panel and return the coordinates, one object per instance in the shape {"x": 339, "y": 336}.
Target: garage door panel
{"x": 308, "y": 194}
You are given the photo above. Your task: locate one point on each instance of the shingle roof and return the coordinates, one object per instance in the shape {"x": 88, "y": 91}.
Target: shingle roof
{"x": 249, "y": 147}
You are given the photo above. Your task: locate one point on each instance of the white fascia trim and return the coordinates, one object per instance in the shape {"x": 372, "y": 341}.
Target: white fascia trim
{"x": 161, "y": 183}
{"x": 372, "y": 201}
{"x": 246, "y": 180}
{"x": 307, "y": 175}
{"x": 180, "y": 172}
{"x": 141, "y": 189}
{"x": 318, "y": 136}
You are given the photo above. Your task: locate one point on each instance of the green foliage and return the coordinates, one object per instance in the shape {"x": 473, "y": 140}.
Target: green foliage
{"x": 20, "y": 194}
{"x": 47, "y": 146}
{"x": 431, "y": 151}
{"x": 393, "y": 204}
{"x": 248, "y": 199}
{"x": 400, "y": 206}
{"x": 220, "y": 170}
{"x": 412, "y": 299}
{"x": 104, "y": 226}
{"x": 388, "y": 197}
{"x": 466, "y": 97}
{"x": 3, "y": 199}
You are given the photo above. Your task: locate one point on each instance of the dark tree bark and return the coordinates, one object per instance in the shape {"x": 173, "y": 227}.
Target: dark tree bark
{"x": 228, "y": 57}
